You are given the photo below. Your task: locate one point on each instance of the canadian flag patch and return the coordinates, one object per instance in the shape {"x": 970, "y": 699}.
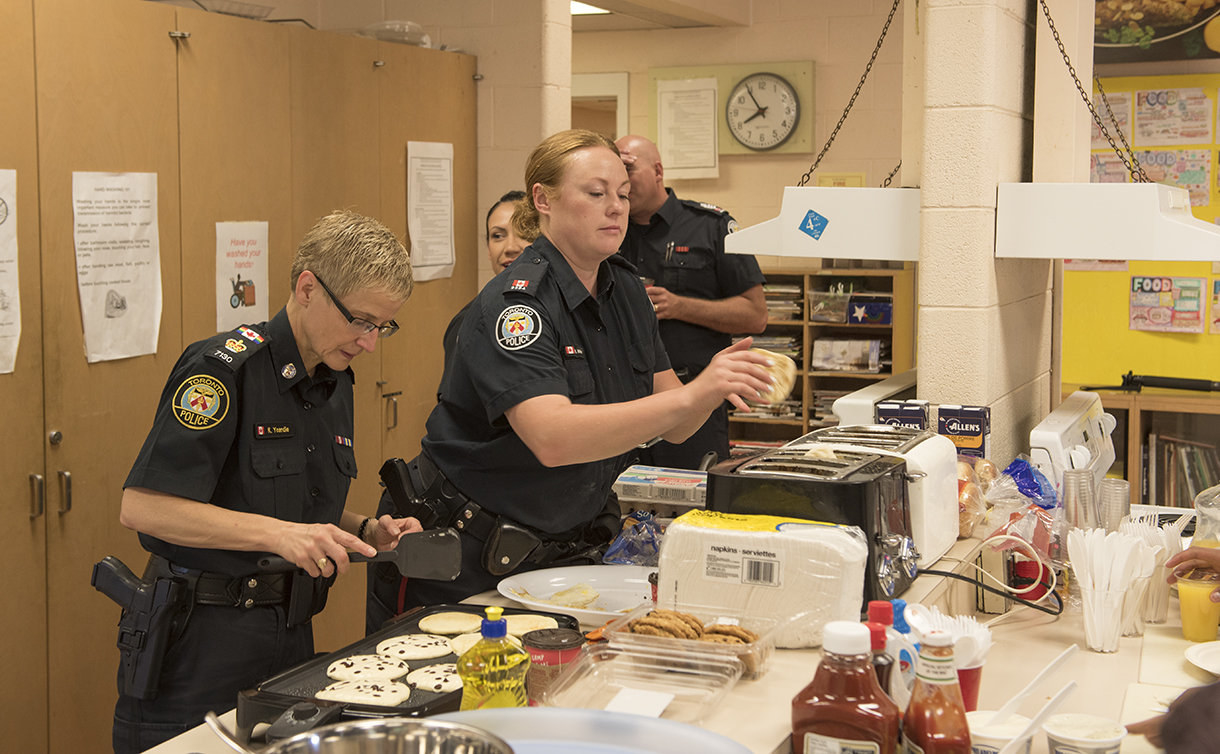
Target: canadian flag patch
{"x": 520, "y": 285}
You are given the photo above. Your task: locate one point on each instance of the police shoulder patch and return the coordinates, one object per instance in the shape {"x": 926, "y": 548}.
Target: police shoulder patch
{"x": 706, "y": 207}
{"x": 200, "y": 402}
{"x": 517, "y": 326}
{"x": 233, "y": 348}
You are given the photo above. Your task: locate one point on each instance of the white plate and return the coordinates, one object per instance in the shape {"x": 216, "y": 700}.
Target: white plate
{"x": 619, "y": 587}
{"x": 1205, "y": 656}
{"x": 552, "y": 730}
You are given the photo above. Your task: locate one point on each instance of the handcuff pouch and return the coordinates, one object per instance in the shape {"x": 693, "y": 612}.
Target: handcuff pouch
{"x": 507, "y": 546}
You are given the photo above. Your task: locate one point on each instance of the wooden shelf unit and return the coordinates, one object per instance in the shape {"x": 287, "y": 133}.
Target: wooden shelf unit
{"x": 900, "y": 335}
{"x": 1153, "y": 411}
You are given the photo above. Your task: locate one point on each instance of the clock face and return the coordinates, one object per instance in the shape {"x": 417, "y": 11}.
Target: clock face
{"x": 762, "y": 111}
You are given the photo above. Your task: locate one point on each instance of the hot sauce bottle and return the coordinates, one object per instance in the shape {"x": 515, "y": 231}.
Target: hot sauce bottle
{"x": 935, "y": 721}
{"x": 843, "y": 708}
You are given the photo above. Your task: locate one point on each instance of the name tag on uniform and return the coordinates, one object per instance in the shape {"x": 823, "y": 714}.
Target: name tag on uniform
{"x": 264, "y": 431}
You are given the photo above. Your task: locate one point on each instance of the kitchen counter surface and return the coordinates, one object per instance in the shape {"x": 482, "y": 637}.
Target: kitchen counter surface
{"x": 1129, "y": 685}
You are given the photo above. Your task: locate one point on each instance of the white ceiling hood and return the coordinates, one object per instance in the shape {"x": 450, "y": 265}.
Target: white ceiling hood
{"x": 1134, "y": 221}
{"x": 837, "y": 223}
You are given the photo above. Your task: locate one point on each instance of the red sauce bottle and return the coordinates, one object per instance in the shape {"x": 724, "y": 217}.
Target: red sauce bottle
{"x": 935, "y": 721}
{"x": 843, "y": 704}
{"x": 883, "y": 664}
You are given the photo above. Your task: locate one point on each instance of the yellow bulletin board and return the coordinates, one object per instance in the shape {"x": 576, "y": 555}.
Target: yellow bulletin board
{"x": 1098, "y": 348}
{"x": 799, "y": 74}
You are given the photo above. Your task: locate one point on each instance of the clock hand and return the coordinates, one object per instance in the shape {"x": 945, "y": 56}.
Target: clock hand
{"x": 750, "y": 92}
{"x": 761, "y": 111}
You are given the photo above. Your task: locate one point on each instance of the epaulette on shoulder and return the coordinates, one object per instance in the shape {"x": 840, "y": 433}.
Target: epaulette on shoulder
{"x": 233, "y": 348}
{"x": 621, "y": 261}
{"x": 705, "y": 206}
{"x": 524, "y": 275}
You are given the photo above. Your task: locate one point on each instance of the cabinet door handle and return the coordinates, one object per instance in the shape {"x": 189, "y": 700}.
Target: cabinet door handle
{"x": 65, "y": 492}
{"x": 37, "y": 496}
{"x": 392, "y": 423}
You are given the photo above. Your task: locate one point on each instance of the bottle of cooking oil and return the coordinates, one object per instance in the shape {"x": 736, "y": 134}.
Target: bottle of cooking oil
{"x": 493, "y": 670}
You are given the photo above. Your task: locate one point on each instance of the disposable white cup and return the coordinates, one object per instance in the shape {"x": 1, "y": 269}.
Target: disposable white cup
{"x": 991, "y": 740}
{"x": 1075, "y": 733}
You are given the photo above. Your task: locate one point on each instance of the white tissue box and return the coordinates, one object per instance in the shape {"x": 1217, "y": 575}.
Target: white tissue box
{"x": 768, "y": 567}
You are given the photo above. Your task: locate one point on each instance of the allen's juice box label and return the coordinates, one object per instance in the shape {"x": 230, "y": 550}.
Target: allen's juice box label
{"x": 969, "y": 427}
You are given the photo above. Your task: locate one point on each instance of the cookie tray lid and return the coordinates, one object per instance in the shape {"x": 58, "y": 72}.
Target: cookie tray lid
{"x": 755, "y": 657}
{"x": 681, "y": 686}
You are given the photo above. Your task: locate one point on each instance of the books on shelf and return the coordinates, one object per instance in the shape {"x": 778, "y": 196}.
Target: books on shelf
{"x": 1177, "y": 469}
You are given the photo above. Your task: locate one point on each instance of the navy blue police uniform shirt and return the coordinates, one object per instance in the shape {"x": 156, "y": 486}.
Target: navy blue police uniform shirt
{"x": 535, "y": 330}
{"x": 241, "y": 425}
{"x": 682, "y": 250}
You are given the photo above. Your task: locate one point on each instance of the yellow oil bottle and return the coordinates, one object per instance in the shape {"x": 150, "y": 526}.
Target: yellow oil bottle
{"x": 493, "y": 670}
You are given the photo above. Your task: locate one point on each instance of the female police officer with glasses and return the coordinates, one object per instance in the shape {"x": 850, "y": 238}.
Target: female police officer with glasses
{"x": 560, "y": 375}
{"x": 251, "y": 453}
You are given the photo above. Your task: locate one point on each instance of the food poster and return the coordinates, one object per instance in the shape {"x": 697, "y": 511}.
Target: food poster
{"x": 1189, "y": 168}
{"x": 1167, "y": 304}
{"x": 1115, "y": 110}
{"x": 1142, "y": 31}
{"x": 1172, "y": 117}
{"x": 1215, "y": 308}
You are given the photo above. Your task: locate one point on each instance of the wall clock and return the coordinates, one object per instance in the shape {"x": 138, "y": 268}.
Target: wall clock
{"x": 762, "y": 111}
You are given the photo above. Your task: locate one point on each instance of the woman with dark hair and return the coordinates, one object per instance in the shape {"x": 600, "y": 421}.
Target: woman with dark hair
{"x": 559, "y": 376}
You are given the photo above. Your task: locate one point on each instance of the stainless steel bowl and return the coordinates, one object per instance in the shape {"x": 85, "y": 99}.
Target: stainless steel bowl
{"x": 389, "y": 735}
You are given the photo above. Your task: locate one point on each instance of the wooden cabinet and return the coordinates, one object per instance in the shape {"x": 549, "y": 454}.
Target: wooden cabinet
{"x": 240, "y": 120}
{"x": 799, "y": 311}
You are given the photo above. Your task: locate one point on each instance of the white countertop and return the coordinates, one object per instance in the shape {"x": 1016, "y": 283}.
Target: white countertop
{"x": 1129, "y": 685}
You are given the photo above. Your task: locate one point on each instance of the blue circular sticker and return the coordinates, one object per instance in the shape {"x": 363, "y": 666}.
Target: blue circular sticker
{"x": 517, "y": 327}
{"x": 201, "y": 402}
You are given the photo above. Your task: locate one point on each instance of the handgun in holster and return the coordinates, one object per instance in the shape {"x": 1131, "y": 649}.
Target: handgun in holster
{"x": 409, "y": 493}
{"x": 154, "y": 612}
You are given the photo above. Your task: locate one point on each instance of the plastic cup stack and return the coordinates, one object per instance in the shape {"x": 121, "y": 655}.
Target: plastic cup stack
{"x": 1079, "y": 499}
{"x": 1113, "y": 503}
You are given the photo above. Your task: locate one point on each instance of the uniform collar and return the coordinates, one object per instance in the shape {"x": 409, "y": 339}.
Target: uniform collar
{"x": 668, "y": 211}
{"x": 286, "y": 358}
{"x": 573, "y": 291}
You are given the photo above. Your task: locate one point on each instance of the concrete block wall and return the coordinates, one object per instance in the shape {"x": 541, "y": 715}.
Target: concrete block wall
{"x": 985, "y": 325}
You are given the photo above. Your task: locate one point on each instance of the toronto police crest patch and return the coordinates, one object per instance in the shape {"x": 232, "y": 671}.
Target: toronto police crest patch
{"x": 517, "y": 327}
{"x": 201, "y": 402}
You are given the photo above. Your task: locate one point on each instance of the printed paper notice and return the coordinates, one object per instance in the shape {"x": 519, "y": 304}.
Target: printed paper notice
{"x": 10, "y": 289}
{"x": 118, "y": 267}
{"x": 1167, "y": 304}
{"x": 430, "y": 208}
{"x": 1188, "y": 168}
{"x": 1172, "y": 117}
{"x": 241, "y": 274}
{"x": 687, "y": 128}
{"x": 1105, "y": 167}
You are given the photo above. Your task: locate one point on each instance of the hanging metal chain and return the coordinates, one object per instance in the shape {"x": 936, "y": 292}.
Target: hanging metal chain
{"x": 890, "y": 177}
{"x": 872, "y": 59}
{"x": 1130, "y": 161}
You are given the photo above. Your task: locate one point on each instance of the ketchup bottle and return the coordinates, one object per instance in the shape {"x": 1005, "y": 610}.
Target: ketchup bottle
{"x": 843, "y": 706}
{"x": 935, "y": 721}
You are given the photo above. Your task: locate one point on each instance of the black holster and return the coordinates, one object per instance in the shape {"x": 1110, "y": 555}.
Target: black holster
{"x": 155, "y": 611}
{"x": 306, "y": 597}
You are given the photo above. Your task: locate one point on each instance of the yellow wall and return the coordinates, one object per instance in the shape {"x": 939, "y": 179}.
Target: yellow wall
{"x": 1098, "y": 348}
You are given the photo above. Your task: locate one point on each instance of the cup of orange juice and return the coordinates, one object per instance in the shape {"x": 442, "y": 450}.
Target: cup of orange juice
{"x": 1200, "y": 616}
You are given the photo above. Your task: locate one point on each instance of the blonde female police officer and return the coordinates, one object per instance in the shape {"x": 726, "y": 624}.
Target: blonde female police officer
{"x": 251, "y": 452}
{"x": 560, "y": 375}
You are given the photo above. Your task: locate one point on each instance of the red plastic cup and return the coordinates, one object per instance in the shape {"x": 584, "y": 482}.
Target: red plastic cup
{"x": 968, "y": 679}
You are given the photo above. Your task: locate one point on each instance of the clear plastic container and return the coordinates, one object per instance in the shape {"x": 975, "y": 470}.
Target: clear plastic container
{"x": 1207, "y": 519}
{"x": 698, "y": 681}
{"x": 754, "y": 657}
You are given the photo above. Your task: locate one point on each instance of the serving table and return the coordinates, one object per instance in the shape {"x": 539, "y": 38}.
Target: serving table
{"x": 1129, "y": 685}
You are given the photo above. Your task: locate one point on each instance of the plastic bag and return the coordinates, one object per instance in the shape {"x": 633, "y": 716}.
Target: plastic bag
{"x": 1021, "y": 484}
{"x": 637, "y": 543}
{"x": 971, "y": 505}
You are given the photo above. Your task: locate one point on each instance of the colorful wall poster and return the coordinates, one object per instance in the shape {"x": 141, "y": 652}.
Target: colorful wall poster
{"x": 1166, "y": 304}
{"x": 1188, "y": 168}
{"x": 1172, "y": 117}
{"x": 1215, "y": 308}
{"x": 1143, "y": 31}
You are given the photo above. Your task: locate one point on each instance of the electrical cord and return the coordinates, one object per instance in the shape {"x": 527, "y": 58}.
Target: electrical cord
{"x": 1049, "y": 593}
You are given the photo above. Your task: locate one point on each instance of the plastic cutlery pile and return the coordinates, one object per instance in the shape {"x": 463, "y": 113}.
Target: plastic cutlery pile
{"x": 1107, "y": 566}
{"x": 971, "y": 639}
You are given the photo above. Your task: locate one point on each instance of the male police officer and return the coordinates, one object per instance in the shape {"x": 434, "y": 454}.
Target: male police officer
{"x": 700, "y": 294}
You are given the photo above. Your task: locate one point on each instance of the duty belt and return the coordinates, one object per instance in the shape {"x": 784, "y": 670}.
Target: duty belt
{"x": 230, "y": 591}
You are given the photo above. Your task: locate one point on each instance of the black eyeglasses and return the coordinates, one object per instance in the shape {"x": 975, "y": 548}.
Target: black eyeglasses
{"x": 363, "y": 325}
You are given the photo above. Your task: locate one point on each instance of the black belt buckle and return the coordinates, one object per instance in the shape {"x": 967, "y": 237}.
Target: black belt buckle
{"x": 507, "y": 547}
